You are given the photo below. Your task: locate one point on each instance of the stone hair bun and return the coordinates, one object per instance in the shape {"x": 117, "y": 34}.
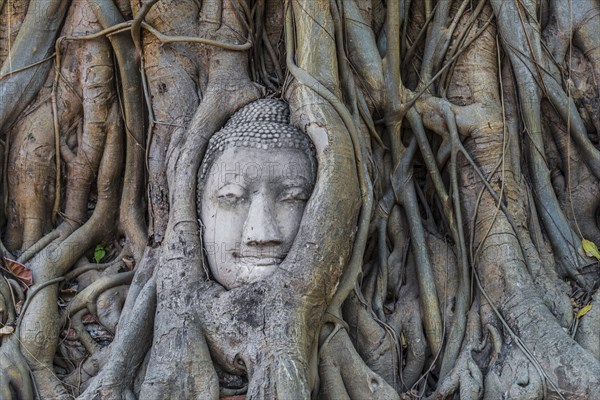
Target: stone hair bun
{"x": 262, "y": 124}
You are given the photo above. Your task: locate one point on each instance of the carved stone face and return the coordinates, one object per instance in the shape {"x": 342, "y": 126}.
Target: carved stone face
{"x": 252, "y": 204}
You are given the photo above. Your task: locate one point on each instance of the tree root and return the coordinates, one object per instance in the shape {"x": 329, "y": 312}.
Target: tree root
{"x": 181, "y": 246}
{"x": 466, "y": 376}
{"x": 172, "y": 340}
{"x": 15, "y": 378}
{"x": 128, "y": 349}
{"x": 56, "y": 259}
{"x": 373, "y": 342}
{"x": 82, "y": 334}
{"x": 83, "y": 375}
{"x": 132, "y": 205}
{"x": 588, "y": 332}
{"x": 174, "y": 82}
{"x": 410, "y": 333}
{"x": 88, "y": 297}
{"x": 34, "y": 42}
{"x": 520, "y": 34}
{"x": 344, "y": 374}
{"x": 7, "y": 303}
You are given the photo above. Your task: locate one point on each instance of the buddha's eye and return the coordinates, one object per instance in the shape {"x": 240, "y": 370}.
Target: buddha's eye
{"x": 231, "y": 194}
{"x": 293, "y": 194}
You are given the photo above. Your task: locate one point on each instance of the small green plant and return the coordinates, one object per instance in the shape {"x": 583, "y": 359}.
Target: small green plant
{"x": 99, "y": 253}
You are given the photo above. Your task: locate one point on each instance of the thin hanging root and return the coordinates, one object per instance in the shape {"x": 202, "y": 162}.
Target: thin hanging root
{"x": 382, "y": 269}
{"x": 136, "y": 26}
{"x": 463, "y": 296}
{"x": 425, "y": 86}
{"x": 25, "y": 68}
{"x": 410, "y": 53}
{"x": 87, "y": 298}
{"x": 447, "y": 75}
{"x": 428, "y": 295}
{"x": 434, "y": 172}
{"x": 515, "y": 32}
{"x": 363, "y": 108}
{"x": 568, "y": 111}
{"x": 432, "y": 316}
{"x": 273, "y": 56}
{"x": 434, "y": 41}
{"x": 55, "y": 123}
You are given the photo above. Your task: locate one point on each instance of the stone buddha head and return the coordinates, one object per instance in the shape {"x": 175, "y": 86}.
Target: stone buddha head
{"x": 254, "y": 182}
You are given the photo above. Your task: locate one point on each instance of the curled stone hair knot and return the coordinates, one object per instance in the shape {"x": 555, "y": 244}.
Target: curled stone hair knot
{"x": 262, "y": 124}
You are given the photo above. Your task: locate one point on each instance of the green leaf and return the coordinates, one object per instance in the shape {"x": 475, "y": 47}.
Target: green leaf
{"x": 590, "y": 249}
{"x": 99, "y": 253}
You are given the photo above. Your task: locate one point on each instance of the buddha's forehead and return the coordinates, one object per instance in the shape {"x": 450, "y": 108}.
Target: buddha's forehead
{"x": 242, "y": 152}
{"x": 249, "y": 164}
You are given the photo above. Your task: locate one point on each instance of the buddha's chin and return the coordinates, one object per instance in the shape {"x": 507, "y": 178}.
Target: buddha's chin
{"x": 249, "y": 273}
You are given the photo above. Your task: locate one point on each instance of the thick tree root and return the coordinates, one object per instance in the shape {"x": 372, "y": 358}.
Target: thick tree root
{"x": 345, "y": 375}
{"x": 466, "y": 377}
{"x": 385, "y": 196}
{"x": 15, "y": 378}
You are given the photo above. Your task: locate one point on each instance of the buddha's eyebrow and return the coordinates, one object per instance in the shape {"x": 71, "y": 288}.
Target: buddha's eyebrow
{"x": 227, "y": 177}
{"x": 296, "y": 181}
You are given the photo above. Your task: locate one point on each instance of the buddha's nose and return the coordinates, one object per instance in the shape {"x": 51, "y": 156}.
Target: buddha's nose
{"x": 261, "y": 227}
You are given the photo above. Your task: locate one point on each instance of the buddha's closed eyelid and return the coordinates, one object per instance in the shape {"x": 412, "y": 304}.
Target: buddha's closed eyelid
{"x": 231, "y": 193}
{"x": 294, "y": 193}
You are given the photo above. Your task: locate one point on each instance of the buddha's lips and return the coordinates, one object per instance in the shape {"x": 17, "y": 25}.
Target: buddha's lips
{"x": 259, "y": 260}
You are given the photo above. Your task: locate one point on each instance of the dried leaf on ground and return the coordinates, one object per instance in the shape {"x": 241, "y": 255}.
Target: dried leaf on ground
{"x": 6, "y": 330}
{"x": 19, "y": 271}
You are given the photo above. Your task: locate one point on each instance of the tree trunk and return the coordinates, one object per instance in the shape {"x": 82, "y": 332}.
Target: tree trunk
{"x": 446, "y": 248}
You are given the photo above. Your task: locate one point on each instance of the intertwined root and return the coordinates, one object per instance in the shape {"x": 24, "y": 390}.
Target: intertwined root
{"x": 470, "y": 217}
{"x": 15, "y": 380}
